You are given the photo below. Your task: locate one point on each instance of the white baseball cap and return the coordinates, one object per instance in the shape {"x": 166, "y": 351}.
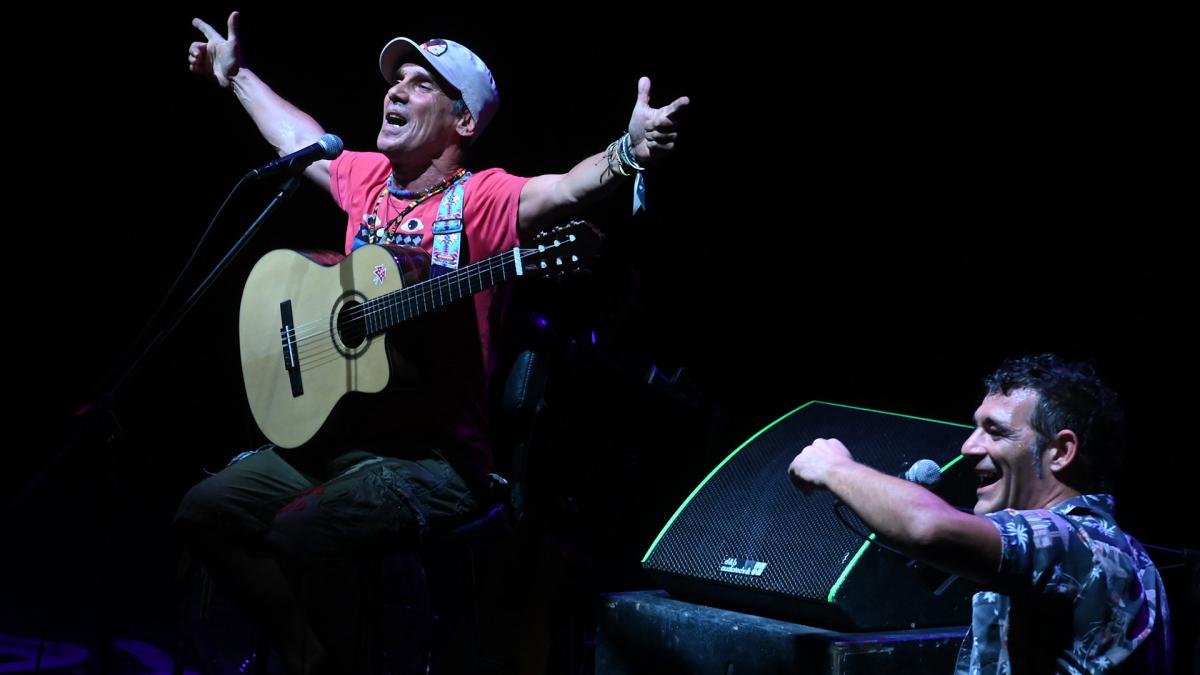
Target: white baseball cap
{"x": 459, "y": 65}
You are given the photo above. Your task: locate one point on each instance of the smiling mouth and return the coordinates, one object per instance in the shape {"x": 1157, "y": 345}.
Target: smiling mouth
{"x": 988, "y": 478}
{"x": 395, "y": 119}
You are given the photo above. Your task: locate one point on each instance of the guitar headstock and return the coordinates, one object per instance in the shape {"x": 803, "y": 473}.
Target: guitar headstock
{"x": 564, "y": 249}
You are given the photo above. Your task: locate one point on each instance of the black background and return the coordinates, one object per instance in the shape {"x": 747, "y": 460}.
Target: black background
{"x": 866, "y": 208}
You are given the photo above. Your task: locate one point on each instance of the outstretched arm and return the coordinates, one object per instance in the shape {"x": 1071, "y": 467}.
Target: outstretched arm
{"x": 282, "y": 124}
{"x": 548, "y": 198}
{"x": 906, "y": 515}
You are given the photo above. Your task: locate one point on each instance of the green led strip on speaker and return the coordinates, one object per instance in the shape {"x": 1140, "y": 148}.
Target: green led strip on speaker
{"x": 884, "y": 412}
{"x": 713, "y": 473}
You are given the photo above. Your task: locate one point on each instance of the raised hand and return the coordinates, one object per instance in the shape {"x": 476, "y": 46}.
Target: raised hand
{"x": 220, "y": 57}
{"x": 652, "y": 131}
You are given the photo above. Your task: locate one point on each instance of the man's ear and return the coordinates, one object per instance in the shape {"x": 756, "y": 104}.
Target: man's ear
{"x": 1061, "y": 452}
{"x": 466, "y": 124}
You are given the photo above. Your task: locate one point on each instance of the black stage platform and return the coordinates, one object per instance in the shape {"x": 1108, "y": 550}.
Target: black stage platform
{"x": 646, "y": 632}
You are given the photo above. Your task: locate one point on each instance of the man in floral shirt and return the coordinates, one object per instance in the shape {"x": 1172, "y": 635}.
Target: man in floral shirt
{"x": 1066, "y": 590}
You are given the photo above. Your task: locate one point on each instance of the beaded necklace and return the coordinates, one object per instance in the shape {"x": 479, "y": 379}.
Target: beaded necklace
{"x": 417, "y": 197}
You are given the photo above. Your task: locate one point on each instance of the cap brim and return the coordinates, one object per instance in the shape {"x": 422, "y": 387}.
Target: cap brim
{"x": 401, "y": 50}
{"x": 393, "y": 54}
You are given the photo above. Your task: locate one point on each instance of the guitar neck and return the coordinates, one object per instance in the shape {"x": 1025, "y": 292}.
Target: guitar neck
{"x": 413, "y": 301}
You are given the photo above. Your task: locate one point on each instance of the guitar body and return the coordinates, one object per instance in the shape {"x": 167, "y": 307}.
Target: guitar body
{"x": 313, "y": 326}
{"x": 290, "y": 405}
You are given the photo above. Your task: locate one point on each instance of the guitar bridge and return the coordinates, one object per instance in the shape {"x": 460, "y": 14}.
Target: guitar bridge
{"x": 291, "y": 354}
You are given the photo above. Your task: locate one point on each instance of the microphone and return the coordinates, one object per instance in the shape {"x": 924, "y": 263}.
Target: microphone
{"x": 326, "y": 147}
{"x": 923, "y": 472}
{"x": 926, "y": 472}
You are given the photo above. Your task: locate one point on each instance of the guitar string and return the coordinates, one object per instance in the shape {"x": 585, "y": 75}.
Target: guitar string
{"x": 423, "y": 290}
{"x": 325, "y": 351}
{"x": 419, "y": 295}
{"x": 446, "y": 280}
{"x": 306, "y": 351}
{"x": 406, "y": 300}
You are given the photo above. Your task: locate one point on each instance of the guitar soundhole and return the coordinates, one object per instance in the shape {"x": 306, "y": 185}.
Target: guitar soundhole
{"x": 351, "y": 325}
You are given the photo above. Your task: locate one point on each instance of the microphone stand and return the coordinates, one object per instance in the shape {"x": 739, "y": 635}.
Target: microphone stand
{"x": 289, "y": 186}
{"x": 85, "y": 430}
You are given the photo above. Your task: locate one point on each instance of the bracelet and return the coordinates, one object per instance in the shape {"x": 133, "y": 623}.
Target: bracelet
{"x": 621, "y": 162}
{"x": 625, "y": 153}
{"x": 611, "y": 154}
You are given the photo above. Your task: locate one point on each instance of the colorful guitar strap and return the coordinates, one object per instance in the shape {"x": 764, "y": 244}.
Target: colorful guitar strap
{"x": 447, "y": 229}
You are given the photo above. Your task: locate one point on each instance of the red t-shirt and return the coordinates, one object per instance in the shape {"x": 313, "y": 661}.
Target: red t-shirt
{"x": 491, "y": 198}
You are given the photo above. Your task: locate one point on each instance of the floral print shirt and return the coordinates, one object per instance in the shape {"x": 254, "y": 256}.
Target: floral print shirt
{"x": 1074, "y": 594}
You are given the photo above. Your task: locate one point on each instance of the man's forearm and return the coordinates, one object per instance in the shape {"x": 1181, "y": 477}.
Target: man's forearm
{"x": 282, "y": 124}
{"x": 552, "y": 197}
{"x": 918, "y": 522}
{"x": 894, "y": 508}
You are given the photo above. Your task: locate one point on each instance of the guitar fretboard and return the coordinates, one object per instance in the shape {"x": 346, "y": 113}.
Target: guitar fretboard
{"x": 388, "y": 310}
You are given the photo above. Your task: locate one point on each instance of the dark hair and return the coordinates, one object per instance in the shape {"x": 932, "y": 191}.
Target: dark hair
{"x": 1070, "y": 396}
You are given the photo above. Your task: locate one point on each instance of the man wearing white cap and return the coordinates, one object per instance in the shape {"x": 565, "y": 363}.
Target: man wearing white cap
{"x": 262, "y": 512}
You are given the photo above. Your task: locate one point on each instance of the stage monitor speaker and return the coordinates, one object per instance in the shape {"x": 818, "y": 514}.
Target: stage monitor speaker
{"x": 746, "y": 539}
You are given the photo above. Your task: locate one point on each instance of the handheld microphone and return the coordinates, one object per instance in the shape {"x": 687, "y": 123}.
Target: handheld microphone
{"x": 923, "y": 472}
{"x": 326, "y": 147}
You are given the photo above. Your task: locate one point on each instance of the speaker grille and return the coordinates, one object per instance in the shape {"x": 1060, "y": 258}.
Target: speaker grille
{"x": 747, "y": 509}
